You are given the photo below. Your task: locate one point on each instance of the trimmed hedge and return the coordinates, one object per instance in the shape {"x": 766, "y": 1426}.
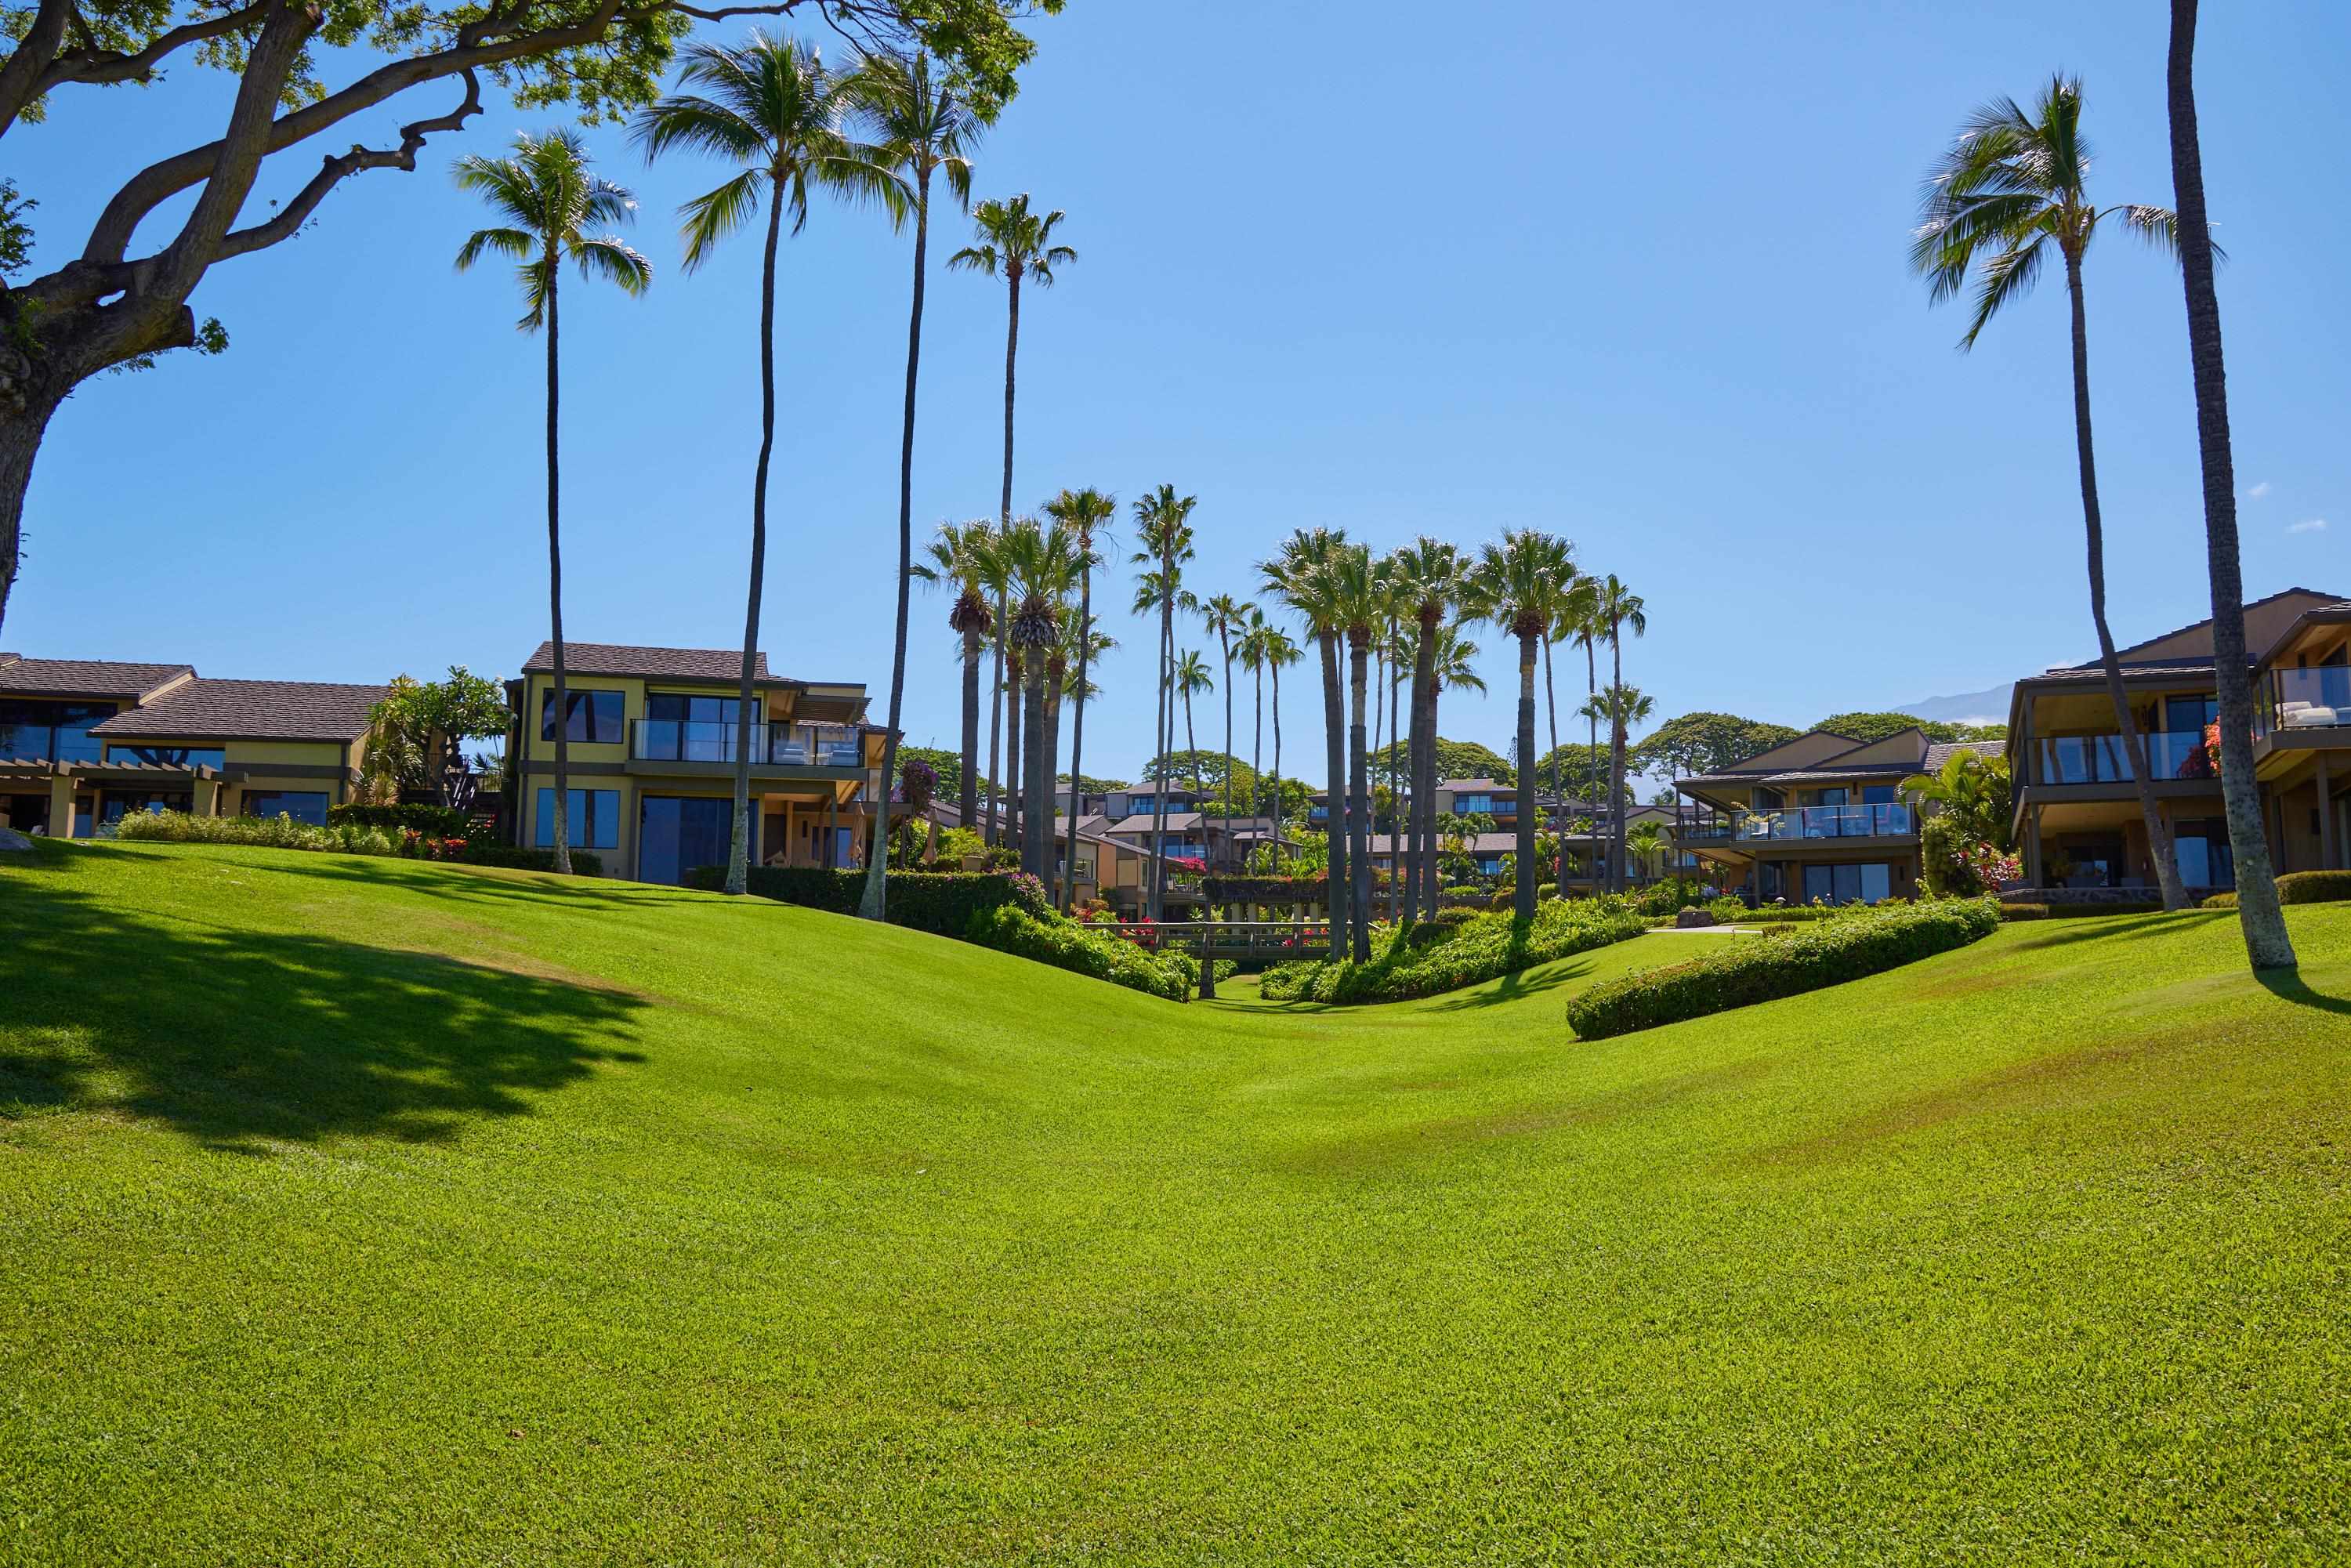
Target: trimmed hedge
{"x": 434, "y": 821}
{"x": 2314, "y": 887}
{"x": 1483, "y": 947}
{"x": 2071, "y": 911}
{"x": 584, "y": 863}
{"x": 283, "y": 832}
{"x": 1265, "y": 889}
{"x": 942, "y": 902}
{"x": 1070, "y": 944}
{"x": 1742, "y": 972}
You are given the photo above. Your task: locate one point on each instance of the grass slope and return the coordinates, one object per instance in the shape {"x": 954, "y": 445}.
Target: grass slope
{"x": 369, "y": 1211}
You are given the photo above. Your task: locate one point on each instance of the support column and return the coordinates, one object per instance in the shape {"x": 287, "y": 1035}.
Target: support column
{"x": 2326, "y": 816}
{"x": 2033, "y": 855}
{"x": 61, "y": 805}
{"x": 203, "y": 798}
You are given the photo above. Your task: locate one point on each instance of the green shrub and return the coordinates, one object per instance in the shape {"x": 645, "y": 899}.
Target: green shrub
{"x": 1793, "y": 913}
{"x": 1943, "y": 865}
{"x": 1741, "y": 972}
{"x": 1482, "y": 948}
{"x": 1671, "y": 896}
{"x": 2070, "y": 911}
{"x": 584, "y": 863}
{"x": 2220, "y": 901}
{"x": 939, "y": 902}
{"x": 2314, "y": 887}
{"x": 437, "y": 822}
{"x": 1068, "y": 945}
{"x": 283, "y": 832}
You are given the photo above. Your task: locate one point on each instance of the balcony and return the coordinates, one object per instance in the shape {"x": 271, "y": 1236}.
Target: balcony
{"x": 2103, "y": 759}
{"x": 773, "y": 745}
{"x": 1882, "y": 819}
{"x": 2289, "y": 700}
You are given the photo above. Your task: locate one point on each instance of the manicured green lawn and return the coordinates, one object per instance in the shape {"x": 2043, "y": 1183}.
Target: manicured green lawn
{"x": 368, "y": 1211}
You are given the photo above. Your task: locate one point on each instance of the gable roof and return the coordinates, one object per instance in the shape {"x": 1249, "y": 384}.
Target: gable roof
{"x": 85, "y": 677}
{"x": 630, "y": 659}
{"x": 250, "y": 710}
{"x": 1943, "y": 751}
{"x": 2265, "y": 619}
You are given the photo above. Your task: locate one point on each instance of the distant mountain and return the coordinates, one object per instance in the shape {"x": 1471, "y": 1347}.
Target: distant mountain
{"x": 1987, "y": 706}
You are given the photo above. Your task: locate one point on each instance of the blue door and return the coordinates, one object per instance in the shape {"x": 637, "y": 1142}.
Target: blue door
{"x": 676, "y": 833}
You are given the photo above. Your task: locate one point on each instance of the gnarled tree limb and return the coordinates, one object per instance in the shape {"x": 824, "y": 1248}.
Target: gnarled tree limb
{"x": 20, "y": 79}
{"x": 90, "y": 65}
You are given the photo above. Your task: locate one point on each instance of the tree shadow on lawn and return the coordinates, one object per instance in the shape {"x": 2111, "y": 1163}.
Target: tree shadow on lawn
{"x": 238, "y": 1038}
{"x": 481, "y": 884}
{"x": 2289, "y": 986}
{"x": 2100, "y": 928}
{"x": 1517, "y": 986}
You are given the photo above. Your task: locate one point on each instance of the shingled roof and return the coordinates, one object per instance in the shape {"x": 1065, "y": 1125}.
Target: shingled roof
{"x": 85, "y": 677}
{"x": 250, "y": 710}
{"x": 673, "y": 664}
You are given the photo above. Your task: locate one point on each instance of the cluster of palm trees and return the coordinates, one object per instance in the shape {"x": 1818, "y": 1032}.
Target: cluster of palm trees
{"x": 1410, "y": 608}
{"x": 879, "y": 132}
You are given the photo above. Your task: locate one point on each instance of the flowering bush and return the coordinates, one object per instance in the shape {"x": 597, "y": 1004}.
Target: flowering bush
{"x": 918, "y": 782}
{"x": 1030, "y": 893}
{"x": 1190, "y": 864}
{"x": 432, "y": 846}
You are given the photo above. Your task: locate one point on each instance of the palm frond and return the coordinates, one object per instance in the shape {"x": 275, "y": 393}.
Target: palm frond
{"x": 607, "y": 259}
{"x": 712, "y": 216}
{"x": 511, "y": 243}
{"x": 2000, "y": 278}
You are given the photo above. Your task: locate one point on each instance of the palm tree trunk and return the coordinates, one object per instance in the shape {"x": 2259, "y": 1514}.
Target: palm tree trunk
{"x": 1359, "y": 801}
{"x": 2159, "y": 833}
{"x": 1431, "y": 882}
{"x": 1420, "y": 892}
{"x": 1257, "y": 757}
{"x": 738, "y": 852}
{"x": 1339, "y": 895}
{"x": 1077, "y": 726}
{"x": 2267, "y": 943}
{"x": 554, "y": 595}
{"x": 874, "y": 905}
{"x": 1035, "y": 833}
{"x": 1396, "y": 788}
{"x": 1277, "y": 770}
{"x": 1015, "y": 780}
{"x": 968, "y": 792}
{"x": 1551, "y": 722}
{"x": 1523, "y": 904}
{"x": 1616, "y": 812}
{"x": 1591, "y": 747}
{"x": 1225, "y": 642}
{"x": 995, "y": 730}
{"x": 1156, "y": 904}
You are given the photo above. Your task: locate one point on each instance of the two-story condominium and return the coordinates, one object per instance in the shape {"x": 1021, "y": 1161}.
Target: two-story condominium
{"x": 1822, "y": 817}
{"x": 84, "y": 741}
{"x": 2078, "y": 816}
{"x": 652, "y": 737}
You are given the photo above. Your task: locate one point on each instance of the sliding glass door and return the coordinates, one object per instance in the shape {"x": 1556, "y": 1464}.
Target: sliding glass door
{"x": 677, "y": 833}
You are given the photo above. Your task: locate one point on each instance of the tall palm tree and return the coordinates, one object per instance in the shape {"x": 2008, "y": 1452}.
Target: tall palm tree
{"x": 1062, "y": 681}
{"x": 2012, "y": 188}
{"x": 1225, "y": 616}
{"x": 1580, "y": 614}
{"x": 550, "y": 200}
{"x": 1280, "y": 654}
{"x": 1616, "y": 608}
{"x": 1086, "y": 514}
{"x": 1189, "y": 676}
{"x": 1573, "y": 623}
{"x": 957, "y": 556}
{"x": 1646, "y": 843}
{"x": 772, "y": 106}
{"x": 2267, "y": 945}
{"x": 1517, "y": 586}
{"x": 1250, "y": 649}
{"x": 1163, "y": 526}
{"x": 996, "y": 582}
{"x": 1295, "y": 575}
{"x": 927, "y": 132}
{"x": 1360, "y": 594}
{"x": 1428, "y": 577}
{"x": 1045, "y": 565}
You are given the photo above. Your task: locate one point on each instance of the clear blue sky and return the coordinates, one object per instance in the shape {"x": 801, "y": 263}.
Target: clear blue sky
{"x": 1633, "y": 276}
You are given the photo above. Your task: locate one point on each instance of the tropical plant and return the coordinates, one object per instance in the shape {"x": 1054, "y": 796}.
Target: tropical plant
{"x": 1972, "y": 790}
{"x": 1281, "y": 652}
{"x": 1295, "y": 575}
{"x": 417, "y": 731}
{"x": 1188, "y": 677}
{"x": 1163, "y": 526}
{"x": 769, "y": 106}
{"x": 1225, "y": 616}
{"x": 1045, "y": 565}
{"x": 1014, "y": 244}
{"x": 957, "y": 560}
{"x": 1518, "y": 586}
{"x": 925, "y": 129}
{"x": 549, "y": 201}
{"x": 1429, "y": 576}
{"x": 2012, "y": 188}
{"x": 1576, "y": 619}
{"x": 2267, "y": 945}
{"x": 1359, "y": 596}
{"x": 1615, "y": 608}
{"x": 1086, "y": 514}
{"x": 1647, "y": 844}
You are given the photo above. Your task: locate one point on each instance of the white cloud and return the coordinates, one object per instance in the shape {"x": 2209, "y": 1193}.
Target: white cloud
{"x": 2314, "y": 525}
{"x": 2258, "y": 491}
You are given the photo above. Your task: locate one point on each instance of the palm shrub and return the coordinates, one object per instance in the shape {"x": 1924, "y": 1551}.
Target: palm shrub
{"x": 1481, "y": 948}
{"x": 1744, "y": 971}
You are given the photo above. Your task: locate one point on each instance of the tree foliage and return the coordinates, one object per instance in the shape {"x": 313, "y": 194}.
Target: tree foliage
{"x": 417, "y": 732}
{"x": 1869, "y": 726}
{"x": 1695, "y": 743}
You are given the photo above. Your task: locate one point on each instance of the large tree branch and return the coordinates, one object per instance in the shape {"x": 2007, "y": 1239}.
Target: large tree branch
{"x": 20, "y": 79}
{"x": 337, "y": 169}
{"x": 94, "y": 67}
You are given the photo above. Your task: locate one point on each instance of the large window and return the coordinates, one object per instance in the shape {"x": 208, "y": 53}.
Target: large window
{"x": 1877, "y": 794}
{"x": 43, "y": 731}
{"x": 2205, "y": 858}
{"x": 677, "y": 833}
{"x": 1849, "y": 883}
{"x": 170, "y": 755}
{"x": 595, "y": 715}
{"x": 114, "y": 803}
{"x": 1473, "y": 805}
{"x": 302, "y": 805}
{"x": 591, "y": 819}
{"x": 682, "y": 728}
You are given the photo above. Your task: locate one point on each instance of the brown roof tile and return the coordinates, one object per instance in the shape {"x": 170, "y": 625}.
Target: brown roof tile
{"x": 627, "y": 659}
{"x": 85, "y": 677}
{"x": 250, "y": 710}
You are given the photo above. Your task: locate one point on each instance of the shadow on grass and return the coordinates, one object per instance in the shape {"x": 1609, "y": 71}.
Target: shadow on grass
{"x": 240, "y": 1039}
{"x": 2288, "y": 984}
{"x": 1517, "y": 987}
{"x": 479, "y": 885}
{"x": 2096, "y": 927}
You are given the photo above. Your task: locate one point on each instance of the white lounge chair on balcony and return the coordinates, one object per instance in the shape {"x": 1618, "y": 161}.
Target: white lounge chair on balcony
{"x": 2305, "y": 715}
{"x": 791, "y": 754}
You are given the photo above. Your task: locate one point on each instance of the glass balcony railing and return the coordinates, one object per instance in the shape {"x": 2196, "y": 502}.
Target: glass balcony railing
{"x": 2289, "y": 700}
{"x": 2104, "y": 758}
{"x": 773, "y": 745}
{"x": 1688, "y": 829}
{"x": 1878, "y": 820}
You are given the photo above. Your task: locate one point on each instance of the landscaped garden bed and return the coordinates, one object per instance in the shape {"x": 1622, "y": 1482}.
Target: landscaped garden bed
{"x": 1444, "y": 954}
